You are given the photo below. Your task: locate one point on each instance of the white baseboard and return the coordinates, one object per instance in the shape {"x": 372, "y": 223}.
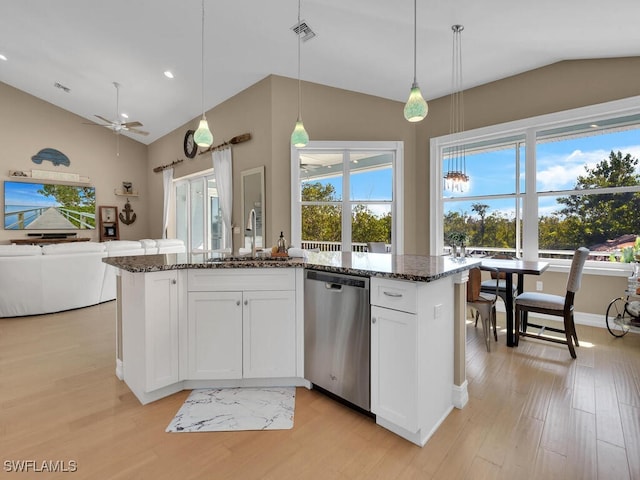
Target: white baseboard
{"x": 460, "y": 395}
{"x": 119, "y": 371}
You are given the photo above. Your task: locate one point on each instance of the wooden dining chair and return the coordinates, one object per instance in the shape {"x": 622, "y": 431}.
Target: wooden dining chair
{"x": 483, "y": 303}
{"x": 498, "y": 280}
{"x": 553, "y": 305}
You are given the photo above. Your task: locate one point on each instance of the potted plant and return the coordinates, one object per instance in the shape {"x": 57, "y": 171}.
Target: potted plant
{"x": 465, "y": 238}
{"x": 458, "y": 239}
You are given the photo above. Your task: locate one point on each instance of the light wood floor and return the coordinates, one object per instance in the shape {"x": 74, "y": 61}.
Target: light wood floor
{"x": 533, "y": 413}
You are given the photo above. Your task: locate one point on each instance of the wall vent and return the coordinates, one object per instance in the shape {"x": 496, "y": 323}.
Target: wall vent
{"x": 303, "y": 29}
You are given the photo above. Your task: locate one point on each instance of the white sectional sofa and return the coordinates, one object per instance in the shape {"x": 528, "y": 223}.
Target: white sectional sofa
{"x": 64, "y": 276}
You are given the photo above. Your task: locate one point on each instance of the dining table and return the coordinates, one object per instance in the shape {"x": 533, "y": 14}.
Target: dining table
{"x": 514, "y": 267}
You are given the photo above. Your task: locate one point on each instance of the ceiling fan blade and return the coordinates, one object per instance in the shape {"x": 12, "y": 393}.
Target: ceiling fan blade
{"x": 139, "y": 132}
{"x": 104, "y": 119}
{"x": 132, "y": 124}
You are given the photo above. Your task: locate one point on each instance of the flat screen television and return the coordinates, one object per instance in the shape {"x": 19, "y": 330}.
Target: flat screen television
{"x": 47, "y": 206}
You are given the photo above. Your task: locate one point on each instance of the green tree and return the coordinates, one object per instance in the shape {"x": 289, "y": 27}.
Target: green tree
{"x": 70, "y": 196}
{"x": 367, "y": 227}
{"x": 481, "y": 210}
{"x": 594, "y": 218}
{"x": 321, "y": 222}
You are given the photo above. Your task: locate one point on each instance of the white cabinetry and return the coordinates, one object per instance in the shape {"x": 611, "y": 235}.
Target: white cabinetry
{"x": 150, "y": 332}
{"x": 411, "y": 355}
{"x": 215, "y": 335}
{"x": 269, "y": 334}
{"x": 393, "y": 366}
{"x": 242, "y": 324}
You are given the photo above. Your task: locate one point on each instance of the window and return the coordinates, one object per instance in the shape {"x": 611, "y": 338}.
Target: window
{"x": 541, "y": 187}
{"x": 344, "y": 195}
{"x": 198, "y": 218}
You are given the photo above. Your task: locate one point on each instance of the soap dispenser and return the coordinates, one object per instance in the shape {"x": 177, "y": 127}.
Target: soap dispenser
{"x": 282, "y": 244}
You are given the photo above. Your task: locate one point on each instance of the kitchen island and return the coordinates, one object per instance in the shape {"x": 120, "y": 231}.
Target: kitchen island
{"x": 197, "y": 320}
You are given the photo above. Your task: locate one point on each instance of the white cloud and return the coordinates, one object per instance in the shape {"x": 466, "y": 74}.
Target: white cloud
{"x": 559, "y": 172}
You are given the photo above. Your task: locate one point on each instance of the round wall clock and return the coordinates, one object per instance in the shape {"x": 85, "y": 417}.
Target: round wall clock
{"x": 190, "y": 147}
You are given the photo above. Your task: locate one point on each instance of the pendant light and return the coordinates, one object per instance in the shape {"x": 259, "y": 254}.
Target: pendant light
{"x": 416, "y": 108}
{"x": 299, "y": 136}
{"x": 203, "y": 136}
{"x": 456, "y": 178}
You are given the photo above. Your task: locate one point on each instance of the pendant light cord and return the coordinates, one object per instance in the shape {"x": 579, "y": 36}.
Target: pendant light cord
{"x": 415, "y": 36}
{"x": 299, "y": 83}
{"x": 202, "y": 58}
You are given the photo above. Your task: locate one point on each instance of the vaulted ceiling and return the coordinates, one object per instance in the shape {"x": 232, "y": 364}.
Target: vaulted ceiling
{"x": 360, "y": 45}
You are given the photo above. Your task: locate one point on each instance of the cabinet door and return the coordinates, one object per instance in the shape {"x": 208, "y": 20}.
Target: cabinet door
{"x": 161, "y": 329}
{"x": 394, "y": 367}
{"x": 215, "y": 335}
{"x": 269, "y": 336}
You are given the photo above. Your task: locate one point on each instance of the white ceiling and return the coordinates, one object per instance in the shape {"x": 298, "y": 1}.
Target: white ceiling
{"x": 361, "y": 45}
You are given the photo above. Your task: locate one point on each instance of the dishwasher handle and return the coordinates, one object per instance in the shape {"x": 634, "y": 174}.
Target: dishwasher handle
{"x": 337, "y": 280}
{"x": 334, "y": 287}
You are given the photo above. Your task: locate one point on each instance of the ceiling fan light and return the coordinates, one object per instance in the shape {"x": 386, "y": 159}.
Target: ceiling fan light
{"x": 416, "y": 108}
{"x": 299, "y": 137}
{"x": 202, "y": 135}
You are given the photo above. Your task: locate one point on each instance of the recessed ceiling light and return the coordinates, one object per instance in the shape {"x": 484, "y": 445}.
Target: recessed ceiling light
{"x": 168, "y": 74}
{"x": 124, "y": 115}
{"x": 2, "y": 57}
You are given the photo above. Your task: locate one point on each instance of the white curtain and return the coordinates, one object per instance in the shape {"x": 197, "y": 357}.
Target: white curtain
{"x": 223, "y": 171}
{"x": 167, "y": 181}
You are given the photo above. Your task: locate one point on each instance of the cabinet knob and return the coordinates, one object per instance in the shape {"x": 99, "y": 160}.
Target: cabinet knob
{"x": 246, "y": 302}
{"x": 174, "y": 281}
{"x": 238, "y": 302}
{"x": 373, "y": 319}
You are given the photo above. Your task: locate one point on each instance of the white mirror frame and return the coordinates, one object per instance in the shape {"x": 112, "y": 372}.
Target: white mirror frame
{"x": 251, "y": 181}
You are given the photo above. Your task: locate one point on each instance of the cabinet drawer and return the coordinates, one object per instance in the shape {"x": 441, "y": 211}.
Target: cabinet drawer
{"x": 232, "y": 279}
{"x": 395, "y": 294}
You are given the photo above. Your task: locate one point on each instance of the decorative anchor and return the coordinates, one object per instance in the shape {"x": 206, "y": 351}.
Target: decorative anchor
{"x": 128, "y": 216}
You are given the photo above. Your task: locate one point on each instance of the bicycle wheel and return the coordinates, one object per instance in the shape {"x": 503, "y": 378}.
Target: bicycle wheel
{"x": 617, "y": 318}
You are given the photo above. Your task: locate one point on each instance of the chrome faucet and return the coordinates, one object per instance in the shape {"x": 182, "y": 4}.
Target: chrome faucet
{"x": 251, "y": 227}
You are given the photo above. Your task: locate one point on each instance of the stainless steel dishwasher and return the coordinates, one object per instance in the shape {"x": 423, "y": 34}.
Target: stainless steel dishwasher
{"x": 337, "y": 335}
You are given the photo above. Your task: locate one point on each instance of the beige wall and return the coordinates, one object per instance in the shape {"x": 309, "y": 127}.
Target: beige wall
{"x": 247, "y": 112}
{"x": 28, "y": 125}
{"x": 553, "y": 88}
{"x": 268, "y": 110}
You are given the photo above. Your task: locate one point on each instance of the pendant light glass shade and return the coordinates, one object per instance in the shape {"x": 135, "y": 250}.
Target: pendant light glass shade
{"x": 299, "y": 137}
{"x": 202, "y": 135}
{"x": 416, "y": 108}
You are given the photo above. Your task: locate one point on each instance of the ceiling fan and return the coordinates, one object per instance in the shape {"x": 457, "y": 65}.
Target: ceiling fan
{"x": 117, "y": 125}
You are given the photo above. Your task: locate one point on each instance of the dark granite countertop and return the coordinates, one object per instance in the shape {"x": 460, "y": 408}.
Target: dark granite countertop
{"x": 406, "y": 267}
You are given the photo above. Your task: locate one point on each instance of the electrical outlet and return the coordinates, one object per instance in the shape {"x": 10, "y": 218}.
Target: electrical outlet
{"x": 539, "y": 286}
{"x": 437, "y": 311}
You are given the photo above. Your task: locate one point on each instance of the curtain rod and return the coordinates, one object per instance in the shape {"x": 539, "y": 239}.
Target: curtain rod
{"x": 245, "y": 137}
{"x": 234, "y": 141}
{"x": 164, "y": 167}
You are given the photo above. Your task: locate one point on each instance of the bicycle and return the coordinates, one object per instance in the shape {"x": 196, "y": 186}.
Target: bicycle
{"x": 623, "y": 314}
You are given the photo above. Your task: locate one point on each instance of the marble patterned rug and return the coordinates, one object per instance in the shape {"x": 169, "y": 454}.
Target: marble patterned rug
{"x": 234, "y": 409}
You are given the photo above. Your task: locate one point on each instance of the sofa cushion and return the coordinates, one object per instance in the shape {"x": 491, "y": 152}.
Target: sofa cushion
{"x": 19, "y": 250}
{"x": 169, "y": 242}
{"x": 114, "y": 245}
{"x": 149, "y": 245}
{"x": 74, "y": 247}
{"x": 170, "y": 245}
